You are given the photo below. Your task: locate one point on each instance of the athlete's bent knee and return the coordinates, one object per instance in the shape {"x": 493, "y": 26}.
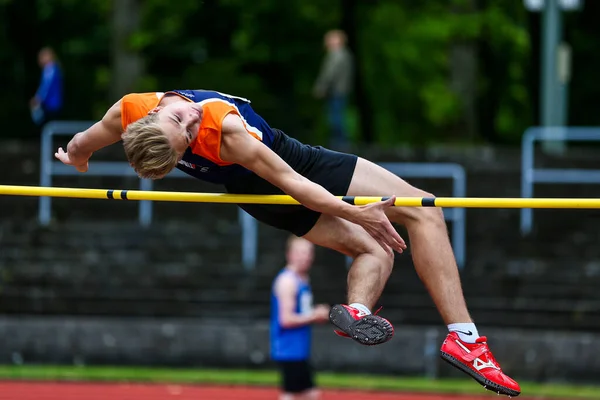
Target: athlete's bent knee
{"x": 385, "y": 260}
{"x": 422, "y": 215}
{"x": 376, "y": 253}
{"x": 432, "y": 214}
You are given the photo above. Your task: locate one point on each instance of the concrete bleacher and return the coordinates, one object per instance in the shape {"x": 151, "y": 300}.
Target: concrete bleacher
{"x": 95, "y": 260}
{"x": 187, "y": 270}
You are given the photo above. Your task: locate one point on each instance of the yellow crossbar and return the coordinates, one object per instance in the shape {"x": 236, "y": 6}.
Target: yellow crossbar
{"x": 449, "y": 202}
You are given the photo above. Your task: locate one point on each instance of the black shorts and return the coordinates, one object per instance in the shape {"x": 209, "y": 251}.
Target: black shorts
{"x": 330, "y": 169}
{"x": 296, "y": 376}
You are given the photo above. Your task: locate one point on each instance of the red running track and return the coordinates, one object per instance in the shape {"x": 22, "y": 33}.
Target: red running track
{"x": 20, "y": 390}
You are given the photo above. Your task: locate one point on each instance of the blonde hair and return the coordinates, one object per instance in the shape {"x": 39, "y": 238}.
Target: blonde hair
{"x": 148, "y": 148}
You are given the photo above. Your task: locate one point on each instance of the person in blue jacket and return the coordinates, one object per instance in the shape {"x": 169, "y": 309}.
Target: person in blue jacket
{"x": 47, "y": 102}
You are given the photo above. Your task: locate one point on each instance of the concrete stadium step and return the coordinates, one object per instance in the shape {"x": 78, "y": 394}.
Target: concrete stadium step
{"x": 518, "y": 289}
{"x": 122, "y": 276}
{"x": 492, "y": 304}
{"x": 538, "y": 313}
{"x": 134, "y": 309}
{"x": 180, "y": 306}
{"x": 92, "y": 235}
{"x": 324, "y": 278}
{"x": 137, "y": 294}
{"x": 525, "y": 320}
{"x": 239, "y": 294}
{"x": 538, "y": 320}
{"x": 190, "y": 257}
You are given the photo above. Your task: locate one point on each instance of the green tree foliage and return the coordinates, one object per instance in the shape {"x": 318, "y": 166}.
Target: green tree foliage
{"x": 270, "y": 51}
{"x": 409, "y": 64}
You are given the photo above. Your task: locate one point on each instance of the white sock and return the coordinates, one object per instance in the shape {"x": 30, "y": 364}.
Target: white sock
{"x": 467, "y": 332}
{"x": 361, "y": 307}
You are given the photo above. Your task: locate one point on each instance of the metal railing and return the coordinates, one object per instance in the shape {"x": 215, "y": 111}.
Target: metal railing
{"x": 50, "y": 167}
{"x": 531, "y": 175}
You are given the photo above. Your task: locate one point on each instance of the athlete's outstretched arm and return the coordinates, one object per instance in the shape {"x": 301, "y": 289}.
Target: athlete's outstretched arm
{"x": 103, "y": 133}
{"x": 239, "y": 147}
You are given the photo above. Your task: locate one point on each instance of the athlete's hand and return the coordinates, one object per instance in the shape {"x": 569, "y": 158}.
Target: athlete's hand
{"x": 373, "y": 219}
{"x": 64, "y": 157}
{"x": 321, "y": 313}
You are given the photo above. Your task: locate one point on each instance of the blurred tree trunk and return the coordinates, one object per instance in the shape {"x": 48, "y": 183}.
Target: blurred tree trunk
{"x": 349, "y": 25}
{"x": 127, "y": 65}
{"x": 463, "y": 75}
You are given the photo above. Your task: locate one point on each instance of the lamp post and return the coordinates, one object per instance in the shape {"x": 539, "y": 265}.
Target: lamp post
{"x": 555, "y": 68}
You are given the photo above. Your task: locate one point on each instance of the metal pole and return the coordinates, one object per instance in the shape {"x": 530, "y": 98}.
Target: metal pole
{"x": 249, "y": 240}
{"x": 44, "y": 205}
{"x": 527, "y": 181}
{"x": 145, "y": 207}
{"x": 550, "y": 89}
{"x": 459, "y": 242}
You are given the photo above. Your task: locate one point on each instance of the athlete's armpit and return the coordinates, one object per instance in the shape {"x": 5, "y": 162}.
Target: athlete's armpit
{"x": 112, "y": 120}
{"x": 103, "y": 133}
{"x": 239, "y": 147}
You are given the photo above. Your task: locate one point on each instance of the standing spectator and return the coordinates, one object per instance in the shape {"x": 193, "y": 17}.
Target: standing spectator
{"x": 48, "y": 100}
{"x": 292, "y": 313}
{"x": 335, "y": 84}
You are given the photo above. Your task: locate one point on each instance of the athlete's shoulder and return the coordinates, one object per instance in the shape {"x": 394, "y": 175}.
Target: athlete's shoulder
{"x": 204, "y": 95}
{"x": 216, "y": 111}
{"x": 142, "y": 98}
{"x": 136, "y": 105}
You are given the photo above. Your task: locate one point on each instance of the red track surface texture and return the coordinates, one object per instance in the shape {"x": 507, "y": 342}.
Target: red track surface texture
{"x": 122, "y": 391}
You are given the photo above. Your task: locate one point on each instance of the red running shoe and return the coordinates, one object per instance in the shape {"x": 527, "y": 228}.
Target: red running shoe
{"x": 476, "y": 360}
{"x": 367, "y": 329}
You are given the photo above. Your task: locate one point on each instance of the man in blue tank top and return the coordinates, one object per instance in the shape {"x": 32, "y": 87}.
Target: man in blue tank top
{"x": 292, "y": 313}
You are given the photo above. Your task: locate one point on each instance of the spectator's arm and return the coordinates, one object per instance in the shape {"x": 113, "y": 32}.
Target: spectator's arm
{"x": 286, "y": 291}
